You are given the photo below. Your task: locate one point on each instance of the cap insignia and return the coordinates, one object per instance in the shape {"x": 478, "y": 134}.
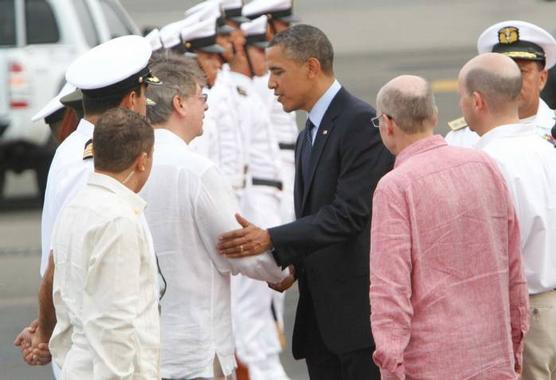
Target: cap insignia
{"x": 508, "y": 35}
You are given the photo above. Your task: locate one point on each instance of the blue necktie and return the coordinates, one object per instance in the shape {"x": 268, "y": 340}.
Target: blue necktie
{"x": 306, "y": 152}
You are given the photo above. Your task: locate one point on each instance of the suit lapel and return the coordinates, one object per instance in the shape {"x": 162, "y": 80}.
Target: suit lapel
{"x": 298, "y": 183}
{"x": 325, "y": 130}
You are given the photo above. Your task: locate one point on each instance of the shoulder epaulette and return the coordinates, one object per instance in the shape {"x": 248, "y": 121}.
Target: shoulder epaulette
{"x": 88, "y": 151}
{"x": 457, "y": 124}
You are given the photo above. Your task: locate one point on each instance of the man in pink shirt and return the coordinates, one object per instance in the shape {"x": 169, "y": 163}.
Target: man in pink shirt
{"x": 448, "y": 294}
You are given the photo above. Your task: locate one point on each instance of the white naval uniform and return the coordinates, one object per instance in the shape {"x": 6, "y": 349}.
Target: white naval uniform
{"x": 257, "y": 340}
{"x": 105, "y": 286}
{"x": 544, "y": 120}
{"x": 189, "y": 207}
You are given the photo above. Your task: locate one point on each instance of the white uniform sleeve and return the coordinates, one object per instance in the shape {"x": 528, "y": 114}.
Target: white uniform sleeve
{"x": 215, "y": 207}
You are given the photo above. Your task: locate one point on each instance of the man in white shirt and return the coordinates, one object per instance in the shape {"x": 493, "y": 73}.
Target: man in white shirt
{"x": 105, "y": 288}
{"x": 190, "y": 204}
{"x": 489, "y": 87}
{"x": 534, "y": 50}
{"x": 112, "y": 74}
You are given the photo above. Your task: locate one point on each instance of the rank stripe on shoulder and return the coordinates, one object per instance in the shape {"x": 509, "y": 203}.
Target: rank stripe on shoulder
{"x": 88, "y": 151}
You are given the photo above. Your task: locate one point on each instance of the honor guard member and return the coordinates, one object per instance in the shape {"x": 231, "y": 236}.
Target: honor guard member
{"x": 280, "y": 16}
{"x": 534, "y": 50}
{"x": 222, "y": 141}
{"x": 279, "y": 12}
{"x": 257, "y": 340}
{"x": 55, "y": 113}
{"x": 112, "y": 74}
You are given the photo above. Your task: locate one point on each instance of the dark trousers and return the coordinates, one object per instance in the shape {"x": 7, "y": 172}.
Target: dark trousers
{"x": 326, "y": 365}
{"x": 356, "y": 365}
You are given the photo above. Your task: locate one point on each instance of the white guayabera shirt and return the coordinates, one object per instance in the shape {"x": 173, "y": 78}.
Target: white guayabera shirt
{"x": 105, "y": 289}
{"x": 190, "y": 205}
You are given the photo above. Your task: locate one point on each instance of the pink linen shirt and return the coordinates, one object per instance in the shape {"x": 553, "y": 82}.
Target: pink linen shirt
{"x": 448, "y": 294}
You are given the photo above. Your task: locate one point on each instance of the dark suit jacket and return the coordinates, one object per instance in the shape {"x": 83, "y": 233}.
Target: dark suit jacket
{"x": 329, "y": 242}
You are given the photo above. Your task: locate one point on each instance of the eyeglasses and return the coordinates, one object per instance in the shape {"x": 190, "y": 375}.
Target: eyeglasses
{"x": 375, "y": 121}
{"x": 203, "y": 96}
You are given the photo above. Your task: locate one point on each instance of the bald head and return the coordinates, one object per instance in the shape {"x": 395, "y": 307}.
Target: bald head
{"x": 408, "y": 99}
{"x": 496, "y": 77}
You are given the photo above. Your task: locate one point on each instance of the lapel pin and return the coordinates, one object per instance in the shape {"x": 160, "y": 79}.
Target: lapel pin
{"x": 325, "y": 132}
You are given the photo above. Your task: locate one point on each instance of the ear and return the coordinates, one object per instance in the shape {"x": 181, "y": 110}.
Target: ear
{"x": 542, "y": 79}
{"x": 478, "y": 101}
{"x": 129, "y": 100}
{"x": 389, "y": 125}
{"x": 179, "y": 107}
{"x": 141, "y": 162}
{"x": 313, "y": 66}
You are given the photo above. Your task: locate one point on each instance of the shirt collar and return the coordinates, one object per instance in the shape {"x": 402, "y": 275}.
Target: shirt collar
{"x": 418, "y": 147}
{"x": 162, "y": 135}
{"x": 544, "y": 117}
{"x": 133, "y": 200}
{"x": 85, "y": 128}
{"x": 502, "y": 131}
{"x": 319, "y": 109}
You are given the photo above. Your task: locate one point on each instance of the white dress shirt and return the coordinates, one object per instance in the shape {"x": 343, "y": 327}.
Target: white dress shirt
{"x": 190, "y": 205}
{"x": 321, "y": 106}
{"x": 68, "y": 173}
{"x": 105, "y": 286}
{"x": 543, "y": 121}
{"x": 528, "y": 164}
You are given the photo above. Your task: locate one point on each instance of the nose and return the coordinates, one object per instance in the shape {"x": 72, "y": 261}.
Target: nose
{"x": 271, "y": 83}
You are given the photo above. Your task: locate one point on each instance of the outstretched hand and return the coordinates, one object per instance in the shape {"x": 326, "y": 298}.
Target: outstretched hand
{"x": 247, "y": 241}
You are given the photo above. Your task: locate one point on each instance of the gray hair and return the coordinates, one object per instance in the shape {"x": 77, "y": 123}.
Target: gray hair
{"x": 499, "y": 88}
{"x": 411, "y": 107}
{"x": 302, "y": 42}
{"x": 179, "y": 76}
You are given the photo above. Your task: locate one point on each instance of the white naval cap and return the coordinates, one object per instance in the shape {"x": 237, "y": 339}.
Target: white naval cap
{"x": 519, "y": 40}
{"x": 210, "y": 9}
{"x": 274, "y": 9}
{"x": 114, "y": 66}
{"x": 255, "y": 32}
{"x": 232, "y": 10}
{"x": 201, "y": 36}
{"x": 170, "y": 34}
{"x": 154, "y": 39}
{"x": 54, "y": 104}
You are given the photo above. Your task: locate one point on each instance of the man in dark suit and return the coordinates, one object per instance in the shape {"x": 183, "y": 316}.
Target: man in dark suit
{"x": 339, "y": 160}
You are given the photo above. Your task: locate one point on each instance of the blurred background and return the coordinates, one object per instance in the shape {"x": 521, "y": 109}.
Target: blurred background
{"x": 374, "y": 41}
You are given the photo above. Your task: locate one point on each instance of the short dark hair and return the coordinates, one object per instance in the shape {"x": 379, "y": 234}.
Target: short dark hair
{"x": 119, "y": 137}
{"x": 179, "y": 76}
{"x": 99, "y": 105}
{"x": 302, "y": 42}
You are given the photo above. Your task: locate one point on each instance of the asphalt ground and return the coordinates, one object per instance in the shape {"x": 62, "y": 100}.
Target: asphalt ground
{"x": 374, "y": 41}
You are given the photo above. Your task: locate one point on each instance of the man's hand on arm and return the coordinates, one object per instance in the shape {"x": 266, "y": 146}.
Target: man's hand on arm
{"x": 247, "y": 241}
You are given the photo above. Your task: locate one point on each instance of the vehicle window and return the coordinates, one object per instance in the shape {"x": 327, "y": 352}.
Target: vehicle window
{"x": 7, "y": 22}
{"x": 116, "y": 21}
{"x": 86, "y": 22}
{"x": 40, "y": 23}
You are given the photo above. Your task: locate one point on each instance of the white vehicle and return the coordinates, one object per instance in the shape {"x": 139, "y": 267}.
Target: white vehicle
{"x": 38, "y": 41}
